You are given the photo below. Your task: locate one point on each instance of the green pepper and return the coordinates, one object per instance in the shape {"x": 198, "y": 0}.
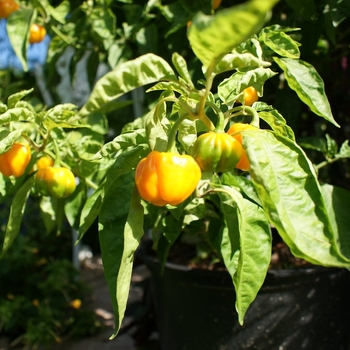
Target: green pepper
{"x": 216, "y": 151}
{"x": 57, "y": 182}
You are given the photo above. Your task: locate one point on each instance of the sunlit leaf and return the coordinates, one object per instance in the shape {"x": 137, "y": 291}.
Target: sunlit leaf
{"x": 126, "y": 77}
{"x": 16, "y": 213}
{"x": 303, "y": 78}
{"x": 278, "y": 41}
{"x": 120, "y": 229}
{"x": 253, "y": 233}
{"x": 229, "y": 89}
{"x": 212, "y": 36}
{"x": 291, "y": 197}
{"x": 18, "y": 26}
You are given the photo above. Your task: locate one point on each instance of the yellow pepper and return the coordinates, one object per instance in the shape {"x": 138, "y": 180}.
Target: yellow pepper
{"x": 15, "y": 160}
{"x": 44, "y": 162}
{"x": 167, "y": 178}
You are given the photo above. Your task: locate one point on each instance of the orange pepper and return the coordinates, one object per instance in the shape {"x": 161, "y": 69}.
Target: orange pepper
{"x": 36, "y": 33}
{"x": 15, "y": 160}
{"x": 234, "y": 131}
{"x": 166, "y": 178}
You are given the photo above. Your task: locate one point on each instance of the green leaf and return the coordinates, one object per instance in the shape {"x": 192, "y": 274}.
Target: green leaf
{"x": 255, "y": 241}
{"x": 120, "y": 230}
{"x": 338, "y": 203}
{"x": 244, "y": 184}
{"x": 8, "y": 138}
{"x": 49, "y": 212}
{"x": 157, "y": 126}
{"x": 59, "y": 13}
{"x": 279, "y": 42}
{"x": 229, "y": 90}
{"x": 314, "y": 143}
{"x": 303, "y": 78}
{"x": 14, "y": 98}
{"x": 63, "y": 116}
{"x": 171, "y": 86}
{"x": 339, "y": 11}
{"x": 331, "y": 146}
{"x": 181, "y": 67}
{"x": 14, "y": 114}
{"x": 122, "y": 141}
{"x": 127, "y": 76}
{"x": 16, "y": 213}
{"x": 214, "y": 36}
{"x": 103, "y": 23}
{"x": 124, "y": 163}
{"x": 236, "y": 60}
{"x": 344, "y": 151}
{"x": 3, "y": 108}
{"x": 277, "y": 123}
{"x": 90, "y": 211}
{"x": 98, "y": 123}
{"x": 18, "y": 26}
{"x": 187, "y": 134}
{"x": 74, "y": 203}
{"x": 291, "y": 197}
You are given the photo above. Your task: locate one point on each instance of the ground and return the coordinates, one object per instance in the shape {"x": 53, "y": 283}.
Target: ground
{"x": 137, "y": 333}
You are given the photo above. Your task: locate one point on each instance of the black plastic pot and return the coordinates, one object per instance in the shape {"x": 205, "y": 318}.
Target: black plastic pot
{"x": 295, "y": 310}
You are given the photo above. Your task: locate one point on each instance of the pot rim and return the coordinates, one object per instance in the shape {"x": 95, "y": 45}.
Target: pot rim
{"x": 280, "y": 273}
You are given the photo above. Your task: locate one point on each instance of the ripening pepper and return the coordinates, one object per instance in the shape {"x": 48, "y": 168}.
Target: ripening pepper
{"x": 58, "y": 182}
{"x": 15, "y": 160}
{"x": 235, "y": 131}
{"x": 166, "y": 178}
{"x": 7, "y": 7}
{"x": 36, "y": 33}
{"x": 44, "y": 162}
{"x": 250, "y": 95}
{"x": 216, "y": 151}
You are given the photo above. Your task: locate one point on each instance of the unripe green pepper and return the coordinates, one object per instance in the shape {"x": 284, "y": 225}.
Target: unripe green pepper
{"x": 57, "y": 182}
{"x": 216, "y": 151}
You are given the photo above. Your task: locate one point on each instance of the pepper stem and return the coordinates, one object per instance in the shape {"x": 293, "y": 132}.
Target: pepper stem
{"x": 172, "y": 136}
{"x": 244, "y": 110}
{"x": 220, "y": 126}
{"x": 203, "y": 101}
{"x": 57, "y": 162}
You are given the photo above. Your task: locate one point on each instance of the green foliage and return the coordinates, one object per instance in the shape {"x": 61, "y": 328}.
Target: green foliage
{"x": 39, "y": 286}
{"x": 192, "y": 86}
{"x": 282, "y": 178}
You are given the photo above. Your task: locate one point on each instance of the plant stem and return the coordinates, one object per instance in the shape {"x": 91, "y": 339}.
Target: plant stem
{"x": 325, "y": 163}
{"x": 57, "y": 154}
{"x": 220, "y": 127}
{"x": 35, "y": 146}
{"x": 244, "y": 110}
{"x": 202, "y": 103}
{"x": 172, "y": 136}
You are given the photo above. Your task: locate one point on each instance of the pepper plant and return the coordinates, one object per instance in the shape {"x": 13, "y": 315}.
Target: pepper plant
{"x": 131, "y": 184}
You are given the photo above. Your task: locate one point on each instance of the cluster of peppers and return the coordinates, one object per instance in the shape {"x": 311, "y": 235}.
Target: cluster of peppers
{"x": 50, "y": 179}
{"x": 170, "y": 178}
{"x": 36, "y": 32}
